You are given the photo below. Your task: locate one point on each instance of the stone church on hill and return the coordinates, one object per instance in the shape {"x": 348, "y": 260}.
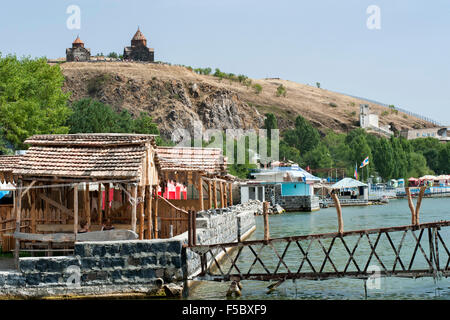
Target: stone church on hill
{"x": 78, "y": 52}
{"x": 138, "y": 51}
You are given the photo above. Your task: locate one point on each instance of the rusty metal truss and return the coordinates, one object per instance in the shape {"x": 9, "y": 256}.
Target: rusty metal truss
{"x": 411, "y": 251}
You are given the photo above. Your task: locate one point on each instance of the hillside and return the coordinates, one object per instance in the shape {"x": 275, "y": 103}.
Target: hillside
{"x": 175, "y": 96}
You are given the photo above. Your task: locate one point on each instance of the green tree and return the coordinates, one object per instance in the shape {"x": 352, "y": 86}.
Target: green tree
{"x": 430, "y": 148}
{"x": 383, "y": 157}
{"x": 304, "y": 136}
{"x": 444, "y": 159}
{"x": 319, "y": 157}
{"x": 92, "y": 116}
{"x": 31, "y": 99}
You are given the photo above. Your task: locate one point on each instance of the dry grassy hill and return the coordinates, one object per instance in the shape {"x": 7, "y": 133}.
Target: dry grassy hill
{"x": 175, "y": 96}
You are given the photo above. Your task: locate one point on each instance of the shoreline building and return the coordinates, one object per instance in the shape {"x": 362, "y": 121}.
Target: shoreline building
{"x": 440, "y": 133}
{"x": 290, "y": 187}
{"x": 138, "y": 51}
{"x": 78, "y": 52}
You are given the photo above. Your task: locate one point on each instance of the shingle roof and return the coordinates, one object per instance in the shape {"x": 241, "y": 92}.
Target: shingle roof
{"x": 208, "y": 160}
{"x": 7, "y": 165}
{"x": 99, "y": 156}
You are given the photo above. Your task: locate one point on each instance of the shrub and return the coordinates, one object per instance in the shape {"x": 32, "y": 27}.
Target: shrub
{"x": 257, "y": 87}
{"x": 332, "y": 104}
{"x": 281, "y": 91}
{"x": 384, "y": 113}
{"x": 318, "y": 84}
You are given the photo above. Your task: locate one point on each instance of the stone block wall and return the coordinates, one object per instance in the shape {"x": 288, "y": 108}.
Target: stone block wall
{"x": 221, "y": 226}
{"x": 101, "y": 267}
{"x": 126, "y": 266}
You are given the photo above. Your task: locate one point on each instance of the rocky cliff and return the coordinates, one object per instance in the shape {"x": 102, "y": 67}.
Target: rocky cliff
{"x": 176, "y": 96}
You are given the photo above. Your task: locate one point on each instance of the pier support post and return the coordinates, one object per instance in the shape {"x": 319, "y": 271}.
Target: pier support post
{"x": 411, "y": 205}
{"x": 337, "y": 203}
{"x": 419, "y": 203}
{"x": 266, "y": 220}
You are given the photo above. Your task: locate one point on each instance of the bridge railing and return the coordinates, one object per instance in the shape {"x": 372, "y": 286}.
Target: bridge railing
{"x": 405, "y": 251}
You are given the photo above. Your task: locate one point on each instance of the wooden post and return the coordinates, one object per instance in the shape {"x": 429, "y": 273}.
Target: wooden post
{"x": 18, "y": 209}
{"x": 337, "y": 203}
{"x": 189, "y": 228}
{"x": 230, "y": 188}
{"x": 222, "y": 197}
{"x": 33, "y": 211}
{"x": 200, "y": 192}
{"x": 87, "y": 205}
{"x": 411, "y": 206}
{"x": 75, "y": 210}
{"x": 99, "y": 204}
{"x": 266, "y": 220}
{"x": 148, "y": 207}
{"x": 194, "y": 227}
{"x": 107, "y": 200}
{"x": 419, "y": 203}
{"x": 141, "y": 212}
{"x": 156, "y": 213}
{"x": 215, "y": 194}
{"x": 210, "y": 194}
{"x": 134, "y": 207}
{"x": 225, "y": 194}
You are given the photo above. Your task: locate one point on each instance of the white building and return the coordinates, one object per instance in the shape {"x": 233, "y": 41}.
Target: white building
{"x": 369, "y": 120}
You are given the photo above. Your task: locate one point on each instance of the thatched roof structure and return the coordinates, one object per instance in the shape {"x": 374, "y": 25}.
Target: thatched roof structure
{"x": 86, "y": 156}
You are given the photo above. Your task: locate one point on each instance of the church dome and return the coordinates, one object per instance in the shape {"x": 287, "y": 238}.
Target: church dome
{"x": 138, "y": 38}
{"x": 77, "y": 42}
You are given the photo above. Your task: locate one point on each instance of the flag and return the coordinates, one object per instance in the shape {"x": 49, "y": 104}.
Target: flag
{"x": 364, "y": 163}
{"x": 356, "y": 172}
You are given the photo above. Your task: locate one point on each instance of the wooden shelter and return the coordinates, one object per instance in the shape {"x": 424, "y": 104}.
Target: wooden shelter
{"x": 65, "y": 179}
{"x": 202, "y": 168}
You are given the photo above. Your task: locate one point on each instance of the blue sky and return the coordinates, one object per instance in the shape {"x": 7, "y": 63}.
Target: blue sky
{"x": 405, "y": 63}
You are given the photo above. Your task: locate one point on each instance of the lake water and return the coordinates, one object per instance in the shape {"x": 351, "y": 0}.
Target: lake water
{"x": 396, "y": 213}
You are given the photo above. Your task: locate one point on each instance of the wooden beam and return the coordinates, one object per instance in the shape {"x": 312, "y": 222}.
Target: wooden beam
{"x": 215, "y": 194}
{"x": 99, "y": 204}
{"x": 210, "y": 194}
{"x": 141, "y": 191}
{"x": 200, "y": 192}
{"x": 156, "y": 214}
{"x": 230, "y": 189}
{"x": 133, "y": 207}
{"x": 75, "y": 211}
{"x": 17, "y": 210}
{"x": 28, "y": 188}
{"x": 87, "y": 205}
{"x": 107, "y": 201}
{"x": 148, "y": 209}
{"x": 57, "y": 205}
{"x": 222, "y": 197}
{"x": 33, "y": 211}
